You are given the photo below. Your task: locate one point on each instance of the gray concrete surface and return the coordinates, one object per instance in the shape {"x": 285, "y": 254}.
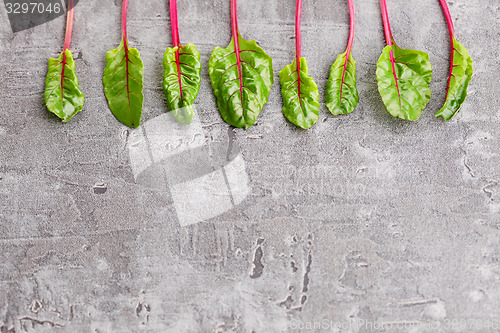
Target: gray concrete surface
{"x": 362, "y": 218}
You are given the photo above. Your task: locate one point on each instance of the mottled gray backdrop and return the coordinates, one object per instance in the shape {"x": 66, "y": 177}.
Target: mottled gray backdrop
{"x": 361, "y": 219}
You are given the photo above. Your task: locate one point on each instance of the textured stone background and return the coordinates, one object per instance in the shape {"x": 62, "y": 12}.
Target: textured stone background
{"x": 363, "y": 217}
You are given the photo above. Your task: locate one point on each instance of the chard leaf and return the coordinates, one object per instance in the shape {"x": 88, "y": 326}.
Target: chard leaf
{"x": 403, "y": 81}
{"x": 181, "y": 80}
{"x": 460, "y": 76}
{"x": 300, "y": 94}
{"x": 242, "y": 77}
{"x": 341, "y": 92}
{"x": 123, "y": 84}
{"x": 62, "y": 95}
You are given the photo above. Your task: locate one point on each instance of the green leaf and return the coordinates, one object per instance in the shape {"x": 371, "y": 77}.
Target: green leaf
{"x": 458, "y": 81}
{"x": 62, "y": 95}
{"x": 341, "y": 92}
{"x": 300, "y": 97}
{"x": 241, "y": 97}
{"x": 405, "y": 90}
{"x": 181, "y": 81}
{"x": 123, "y": 84}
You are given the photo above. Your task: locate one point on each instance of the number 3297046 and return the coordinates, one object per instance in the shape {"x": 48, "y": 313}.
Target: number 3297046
{"x": 32, "y": 8}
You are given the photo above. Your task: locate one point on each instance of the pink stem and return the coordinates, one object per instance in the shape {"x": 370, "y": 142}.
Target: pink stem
{"x": 174, "y": 23}
{"x": 389, "y": 40}
{"x": 67, "y": 42}
{"x": 176, "y": 42}
{"x": 452, "y": 34}
{"x": 387, "y": 25}
{"x": 124, "y": 22}
{"x": 298, "y": 41}
{"x": 448, "y": 18}
{"x": 69, "y": 24}
{"x": 234, "y": 21}
{"x": 298, "y": 13}
{"x": 348, "y": 49}
{"x": 234, "y": 32}
{"x": 351, "y": 29}
{"x": 126, "y": 50}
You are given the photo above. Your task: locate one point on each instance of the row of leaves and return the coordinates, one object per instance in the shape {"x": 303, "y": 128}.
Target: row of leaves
{"x": 242, "y": 76}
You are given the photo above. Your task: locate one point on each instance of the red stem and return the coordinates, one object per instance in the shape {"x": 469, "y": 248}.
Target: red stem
{"x": 124, "y": 23}
{"x": 174, "y": 23}
{"x": 176, "y": 42}
{"x": 234, "y": 32}
{"x": 452, "y": 34}
{"x": 125, "y": 48}
{"x": 67, "y": 42}
{"x": 389, "y": 40}
{"x": 69, "y": 24}
{"x": 234, "y": 19}
{"x": 298, "y": 41}
{"x": 348, "y": 49}
{"x": 351, "y": 29}
{"x": 448, "y": 18}
{"x": 387, "y": 25}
